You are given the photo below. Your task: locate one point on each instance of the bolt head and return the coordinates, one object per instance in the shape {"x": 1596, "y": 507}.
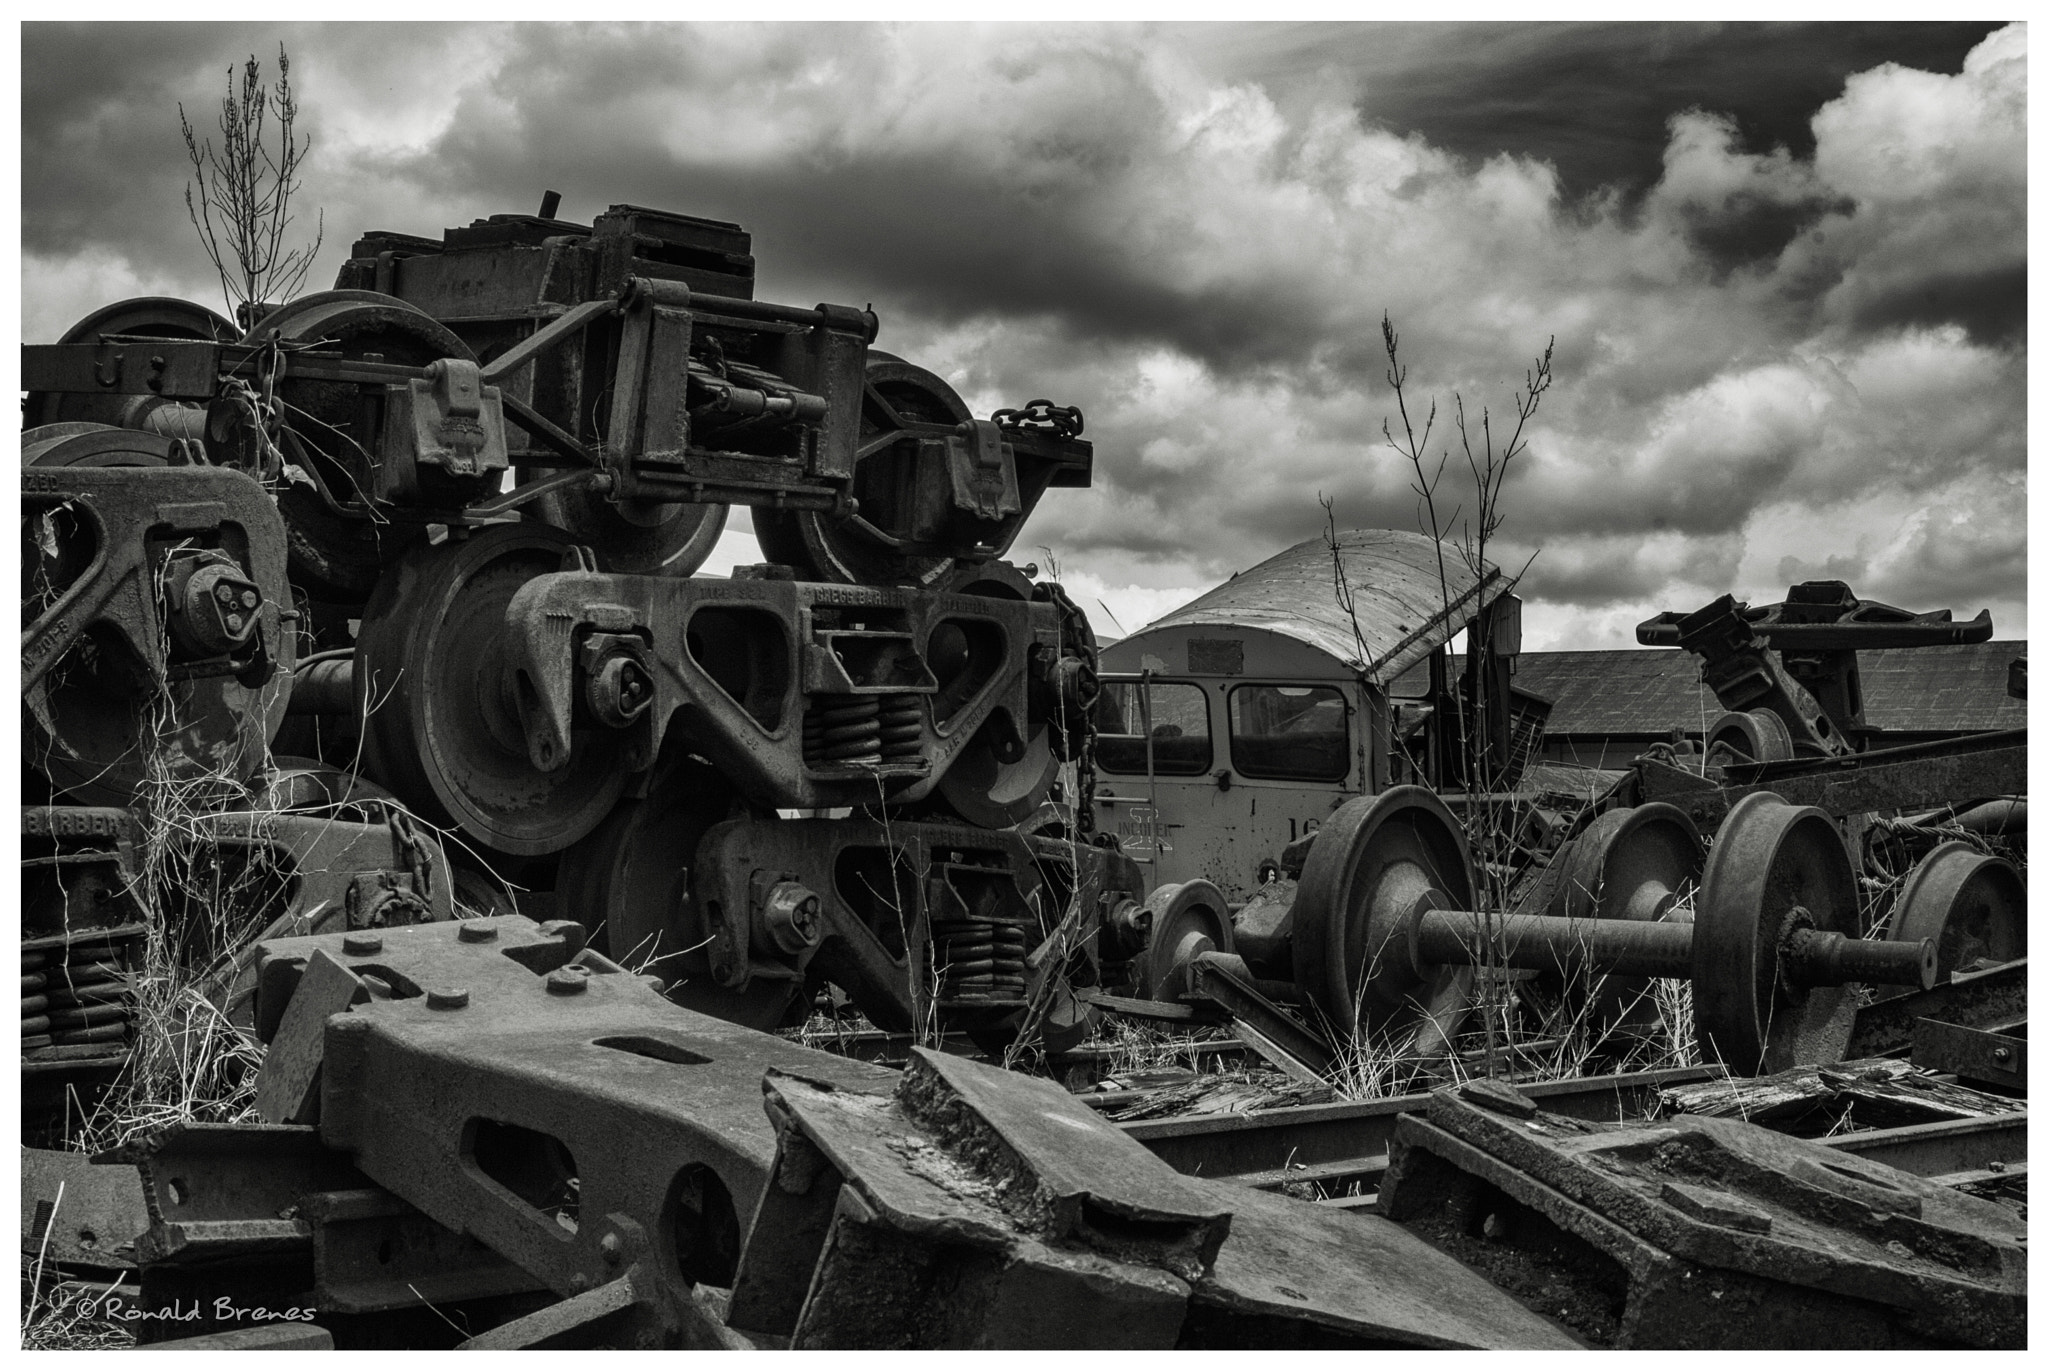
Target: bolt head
{"x": 568, "y": 980}
{"x": 611, "y": 1247}
{"x": 448, "y": 997}
{"x": 2001, "y": 1054}
{"x": 250, "y": 599}
{"x": 362, "y": 944}
{"x": 476, "y": 931}
{"x": 224, "y": 592}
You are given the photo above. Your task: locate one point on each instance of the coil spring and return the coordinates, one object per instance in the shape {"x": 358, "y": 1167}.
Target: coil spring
{"x": 843, "y": 730}
{"x": 902, "y": 720}
{"x": 979, "y": 959}
{"x": 71, "y": 998}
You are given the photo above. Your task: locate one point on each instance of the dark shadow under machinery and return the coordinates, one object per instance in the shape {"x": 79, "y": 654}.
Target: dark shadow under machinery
{"x": 463, "y": 495}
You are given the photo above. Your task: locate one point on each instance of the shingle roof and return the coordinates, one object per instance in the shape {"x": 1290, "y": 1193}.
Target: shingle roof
{"x": 1943, "y": 689}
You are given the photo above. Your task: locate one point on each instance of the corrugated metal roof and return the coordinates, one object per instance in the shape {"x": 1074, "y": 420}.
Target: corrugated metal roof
{"x": 1946, "y": 689}
{"x": 1395, "y": 588}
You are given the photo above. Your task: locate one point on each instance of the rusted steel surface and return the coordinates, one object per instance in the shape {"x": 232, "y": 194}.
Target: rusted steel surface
{"x": 492, "y": 1071}
{"x": 1944, "y": 1147}
{"x": 267, "y": 1217}
{"x": 1356, "y": 1133}
{"x": 1661, "y": 1229}
{"x": 978, "y": 1208}
{"x": 1973, "y": 998}
{"x": 1971, "y": 1054}
{"x": 210, "y": 624}
{"x": 1915, "y": 777}
{"x": 76, "y": 1214}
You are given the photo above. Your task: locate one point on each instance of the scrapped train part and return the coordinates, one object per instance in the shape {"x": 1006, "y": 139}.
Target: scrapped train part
{"x": 437, "y": 528}
{"x": 470, "y": 485}
{"x": 1787, "y": 672}
{"x": 157, "y": 621}
{"x": 1653, "y": 1235}
{"x": 607, "y": 1157}
{"x": 82, "y": 930}
{"x": 1974, "y": 906}
{"x": 1382, "y": 935}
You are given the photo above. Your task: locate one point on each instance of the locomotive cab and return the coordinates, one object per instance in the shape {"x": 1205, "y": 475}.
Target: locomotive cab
{"x": 1233, "y": 726}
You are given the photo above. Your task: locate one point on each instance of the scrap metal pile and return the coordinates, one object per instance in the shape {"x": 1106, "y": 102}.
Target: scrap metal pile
{"x": 368, "y": 687}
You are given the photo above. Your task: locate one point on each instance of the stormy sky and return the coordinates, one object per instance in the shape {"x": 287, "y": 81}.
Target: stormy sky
{"x": 1784, "y": 265}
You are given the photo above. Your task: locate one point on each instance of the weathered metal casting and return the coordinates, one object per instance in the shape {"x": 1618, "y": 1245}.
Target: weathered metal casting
{"x": 474, "y": 1069}
{"x": 908, "y": 917}
{"x": 1705, "y": 1232}
{"x": 680, "y": 387}
{"x": 104, "y": 545}
{"x": 978, "y": 1208}
{"x": 804, "y": 695}
{"x": 263, "y": 1216}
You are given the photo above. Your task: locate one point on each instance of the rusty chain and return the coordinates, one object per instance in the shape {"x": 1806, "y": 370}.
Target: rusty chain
{"x": 1043, "y": 416}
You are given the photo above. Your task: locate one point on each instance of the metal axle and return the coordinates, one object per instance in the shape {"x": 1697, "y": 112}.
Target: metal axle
{"x": 1630, "y": 947}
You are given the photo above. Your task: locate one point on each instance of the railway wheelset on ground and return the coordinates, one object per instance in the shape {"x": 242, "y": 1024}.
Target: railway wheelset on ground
{"x": 1379, "y": 937}
{"x": 428, "y": 539}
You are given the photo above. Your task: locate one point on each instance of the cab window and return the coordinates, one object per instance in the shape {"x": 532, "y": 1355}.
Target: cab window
{"x": 1180, "y": 728}
{"x": 1290, "y": 733}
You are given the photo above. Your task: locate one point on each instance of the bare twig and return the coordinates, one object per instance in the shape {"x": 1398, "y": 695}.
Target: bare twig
{"x": 242, "y": 207}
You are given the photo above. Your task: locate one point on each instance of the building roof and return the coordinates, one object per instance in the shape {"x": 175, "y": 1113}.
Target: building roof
{"x": 1646, "y": 691}
{"x": 1398, "y": 598}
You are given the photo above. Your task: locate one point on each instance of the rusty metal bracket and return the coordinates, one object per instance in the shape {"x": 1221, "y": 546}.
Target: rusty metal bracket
{"x": 1971, "y": 1054}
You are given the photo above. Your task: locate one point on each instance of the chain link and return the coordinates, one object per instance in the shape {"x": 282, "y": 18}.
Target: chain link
{"x": 1062, "y": 421}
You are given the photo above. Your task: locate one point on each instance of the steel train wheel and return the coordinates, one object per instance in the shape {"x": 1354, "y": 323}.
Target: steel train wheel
{"x": 1187, "y": 920}
{"x": 339, "y": 423}
{"x": 154, "y": 316}
{"x": 1972, "y": 904}
{"x": 1374, "y": 858}
{"x": 1773, "y": 865}
{"x": 441, "y": 727}
{"x": 635, "y": 537}
{"x": 986, "y": 791}
{"x": 87, "y": 722}
{"x": 630, "y": 882}
{"x": 1628, "y": 864}
{"x": 901, "y": 405}
{"x": 1755, "y": 735}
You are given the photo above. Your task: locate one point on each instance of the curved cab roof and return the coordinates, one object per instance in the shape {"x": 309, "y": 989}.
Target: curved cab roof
{"x": 1398, "y": 598}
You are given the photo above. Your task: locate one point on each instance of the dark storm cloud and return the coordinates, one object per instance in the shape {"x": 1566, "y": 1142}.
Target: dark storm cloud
{"x": 1786, "y": 281}
{"x": 1592, "y": 100}
{"x": 1992, "y": 305}
{"x": 1748, "y": 228}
